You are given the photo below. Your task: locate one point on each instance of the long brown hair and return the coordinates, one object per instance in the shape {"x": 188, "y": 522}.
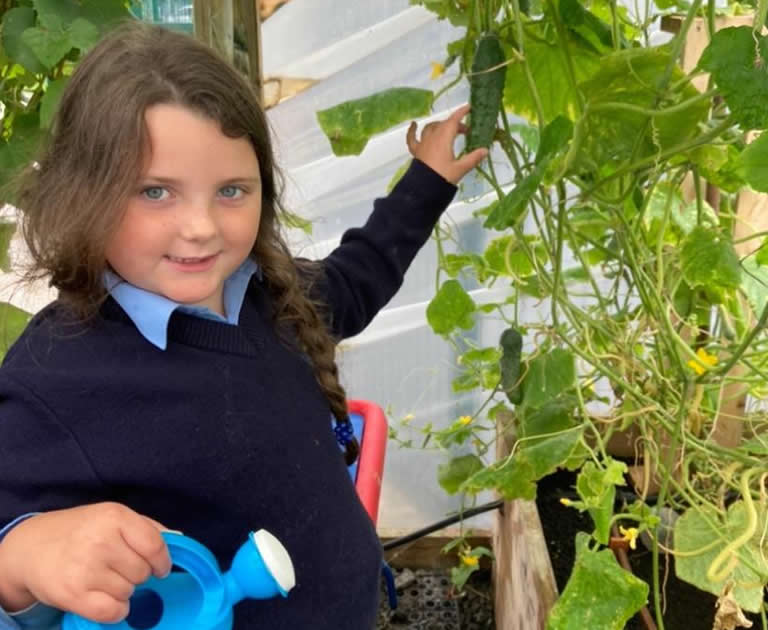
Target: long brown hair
{"x": 72, "y": 198}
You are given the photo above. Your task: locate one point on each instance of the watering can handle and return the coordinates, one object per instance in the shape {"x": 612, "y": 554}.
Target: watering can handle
{"x": 200, "y": 563}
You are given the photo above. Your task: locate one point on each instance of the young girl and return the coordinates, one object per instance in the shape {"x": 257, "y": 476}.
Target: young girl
{"x": 185, "y": 376}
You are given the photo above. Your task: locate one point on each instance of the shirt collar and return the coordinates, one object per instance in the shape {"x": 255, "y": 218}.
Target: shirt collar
{"x": 151, "y": 312}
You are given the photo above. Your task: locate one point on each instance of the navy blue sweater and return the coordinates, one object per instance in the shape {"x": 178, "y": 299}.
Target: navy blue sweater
{"x": 224, "y": 432}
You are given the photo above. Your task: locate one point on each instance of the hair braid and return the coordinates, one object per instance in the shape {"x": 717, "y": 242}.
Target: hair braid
{"x": 289, "y": 283}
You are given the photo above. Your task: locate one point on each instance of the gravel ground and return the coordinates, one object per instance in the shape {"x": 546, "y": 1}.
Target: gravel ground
{"x": 427, "y": 601}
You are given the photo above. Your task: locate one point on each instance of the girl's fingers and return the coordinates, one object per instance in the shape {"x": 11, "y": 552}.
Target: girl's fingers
{"x": 410, "y": 137}
{"x": 144, "y": 538}
{"x": 100, "y": 607}
{"x": 129, "y": 565}
{"x": 463, "y": 128}
{"x": 471, "y": 160}
{"x": 115, "y": 585}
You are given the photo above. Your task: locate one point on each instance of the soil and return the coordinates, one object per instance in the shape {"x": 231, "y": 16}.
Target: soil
{"x": 687, "y": 608}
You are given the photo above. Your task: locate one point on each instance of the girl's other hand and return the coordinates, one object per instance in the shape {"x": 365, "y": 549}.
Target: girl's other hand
{"x": 87, "y": 560}
{"x": 435, "y": 148}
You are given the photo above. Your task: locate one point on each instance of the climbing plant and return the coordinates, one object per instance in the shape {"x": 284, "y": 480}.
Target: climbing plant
{"x": 616, "y": 186}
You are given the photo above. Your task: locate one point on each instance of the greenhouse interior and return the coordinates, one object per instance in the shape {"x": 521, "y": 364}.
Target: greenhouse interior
{"x": 383, "y": 314}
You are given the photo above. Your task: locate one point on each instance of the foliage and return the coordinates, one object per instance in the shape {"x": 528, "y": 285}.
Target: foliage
{"x": 620, "y": 221}
{"x": 41, "y": 41}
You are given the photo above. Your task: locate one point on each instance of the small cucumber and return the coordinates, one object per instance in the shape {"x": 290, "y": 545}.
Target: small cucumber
{"x": 486, "y": 91}
{"x": 512, "y": 348}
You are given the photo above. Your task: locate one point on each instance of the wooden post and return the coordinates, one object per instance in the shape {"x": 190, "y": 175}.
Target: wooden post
{"x": 248, "y": 20}
{"x": 524, "y": 583}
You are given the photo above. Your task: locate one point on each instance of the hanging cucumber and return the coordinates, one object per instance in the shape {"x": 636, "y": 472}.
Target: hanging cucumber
{"x": 486, "y": 91}
{"x": 512, "y": 349}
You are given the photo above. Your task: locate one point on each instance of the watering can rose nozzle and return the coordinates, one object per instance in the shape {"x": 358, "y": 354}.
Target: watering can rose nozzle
{"x": 261, "y": 569}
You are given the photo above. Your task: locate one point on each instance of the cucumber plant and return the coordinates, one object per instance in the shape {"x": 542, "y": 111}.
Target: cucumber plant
{"x": 621, "y": 217}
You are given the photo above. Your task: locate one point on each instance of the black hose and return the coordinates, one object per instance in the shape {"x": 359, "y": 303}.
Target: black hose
{"x": 397, "y": 542}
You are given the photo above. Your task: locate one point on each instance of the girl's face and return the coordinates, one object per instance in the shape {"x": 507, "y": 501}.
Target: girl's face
{"x": 194, "y": 217}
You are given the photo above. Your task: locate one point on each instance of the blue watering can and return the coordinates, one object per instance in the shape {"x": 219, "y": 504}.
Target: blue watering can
{"x": 202, "y": 597}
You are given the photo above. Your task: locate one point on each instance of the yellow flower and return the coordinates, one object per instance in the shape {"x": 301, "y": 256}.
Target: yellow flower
{"x": 703, "y": 361}
{"x": 465, "y": 420}
{"x": 470, "y": 561}
{"x": 437, "y": 70}
{"x": 566, "y": 502}
{"x": 630, "y": 535}
{"x": 407, "y": 418}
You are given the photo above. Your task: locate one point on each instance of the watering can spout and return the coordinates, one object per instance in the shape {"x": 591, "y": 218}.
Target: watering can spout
{"x": 261, "y": 569}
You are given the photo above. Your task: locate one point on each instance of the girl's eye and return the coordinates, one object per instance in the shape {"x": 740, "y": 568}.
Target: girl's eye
{"x": 231, "y": 192}
{"x": 155, "y": 193}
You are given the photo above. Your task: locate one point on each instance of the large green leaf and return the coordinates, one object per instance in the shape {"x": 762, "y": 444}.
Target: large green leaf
{"x": 586, "y": 25}
{"x": 708, "y": 260}
{"x": 701, "y": 534}
{"x": 546, "y": 60}
{"x": 549, "y": 374}
{"x": 451, "y": 475}
{"x": 15, "y": 22}
{"x": 599, "y": 593}
{"x": 753, "y": 163}
{"x": 13, "y": 321}
{"x": 515, "y": 478}
{"x": 629, "y": 77}
{"x": 737, "y": 58}
{"x": 351, "y": 124}
{"x": 48, "y": 45}
{"x": 451, "y": 308}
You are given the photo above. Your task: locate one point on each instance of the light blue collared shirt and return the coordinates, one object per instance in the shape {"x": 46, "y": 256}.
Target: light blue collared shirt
{"x": 150, "y": 313}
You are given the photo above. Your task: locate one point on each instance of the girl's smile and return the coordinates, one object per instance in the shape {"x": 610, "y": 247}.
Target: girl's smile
{"x": 195, "y": 215}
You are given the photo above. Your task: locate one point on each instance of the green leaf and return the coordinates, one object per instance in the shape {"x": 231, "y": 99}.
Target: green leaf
{"x": 83, "y": 34}
{"x": 511, "y": 209}
{"x": 752, "y": 164}
{"x": 57, "y": 14}
{"x": 515, "y": 478}
{"x": 599, "y": 593}
{"x": 505, "y": 256}
{"x": 761, "y": 256}
{"x": 597, "y": 489}
{"x": 451, "y": 308}
{"x": 667, "y": 200}
{"x": 549, "y": 375}
{"x": 7, "y": 230}
{"x": 528, "y": 134}
{"x": 696, "y": 531}
{"x": 450, "y": 476}
{"x": 554, "y": 137}
{"x": 49, "y": 46}
{"x": 105, "y": 14}
{"x": 351, "y": 124}
{"x": 586, "y": 25}
{"x": 455, "y": 263}
{"x": 614, "y": 135}
{"x": 512, "y": 348}
{"x": 19, "y": 150}
{"x": 709, "y": 260}
{"x": 50, "y": 100}
{"x": 13, "y": 321}
{"x": 737, "y": 58}
{"x": 546, "y": 61}
{"x": 15, "y": 22}
{"x": 553, "y": 417}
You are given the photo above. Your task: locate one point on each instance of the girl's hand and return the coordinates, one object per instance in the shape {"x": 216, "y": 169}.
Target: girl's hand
{"x": 435, "y": 148}
{"x": 87, "y": 560}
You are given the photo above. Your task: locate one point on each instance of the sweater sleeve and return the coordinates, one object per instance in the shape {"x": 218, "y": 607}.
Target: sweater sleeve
{"x": 366, "y": 270}
{"x": 42, "y": 467}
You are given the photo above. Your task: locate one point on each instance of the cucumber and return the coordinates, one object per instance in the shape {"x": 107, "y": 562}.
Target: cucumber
{"x": 486, "y": 91}
{"x": 512, "y": 348}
